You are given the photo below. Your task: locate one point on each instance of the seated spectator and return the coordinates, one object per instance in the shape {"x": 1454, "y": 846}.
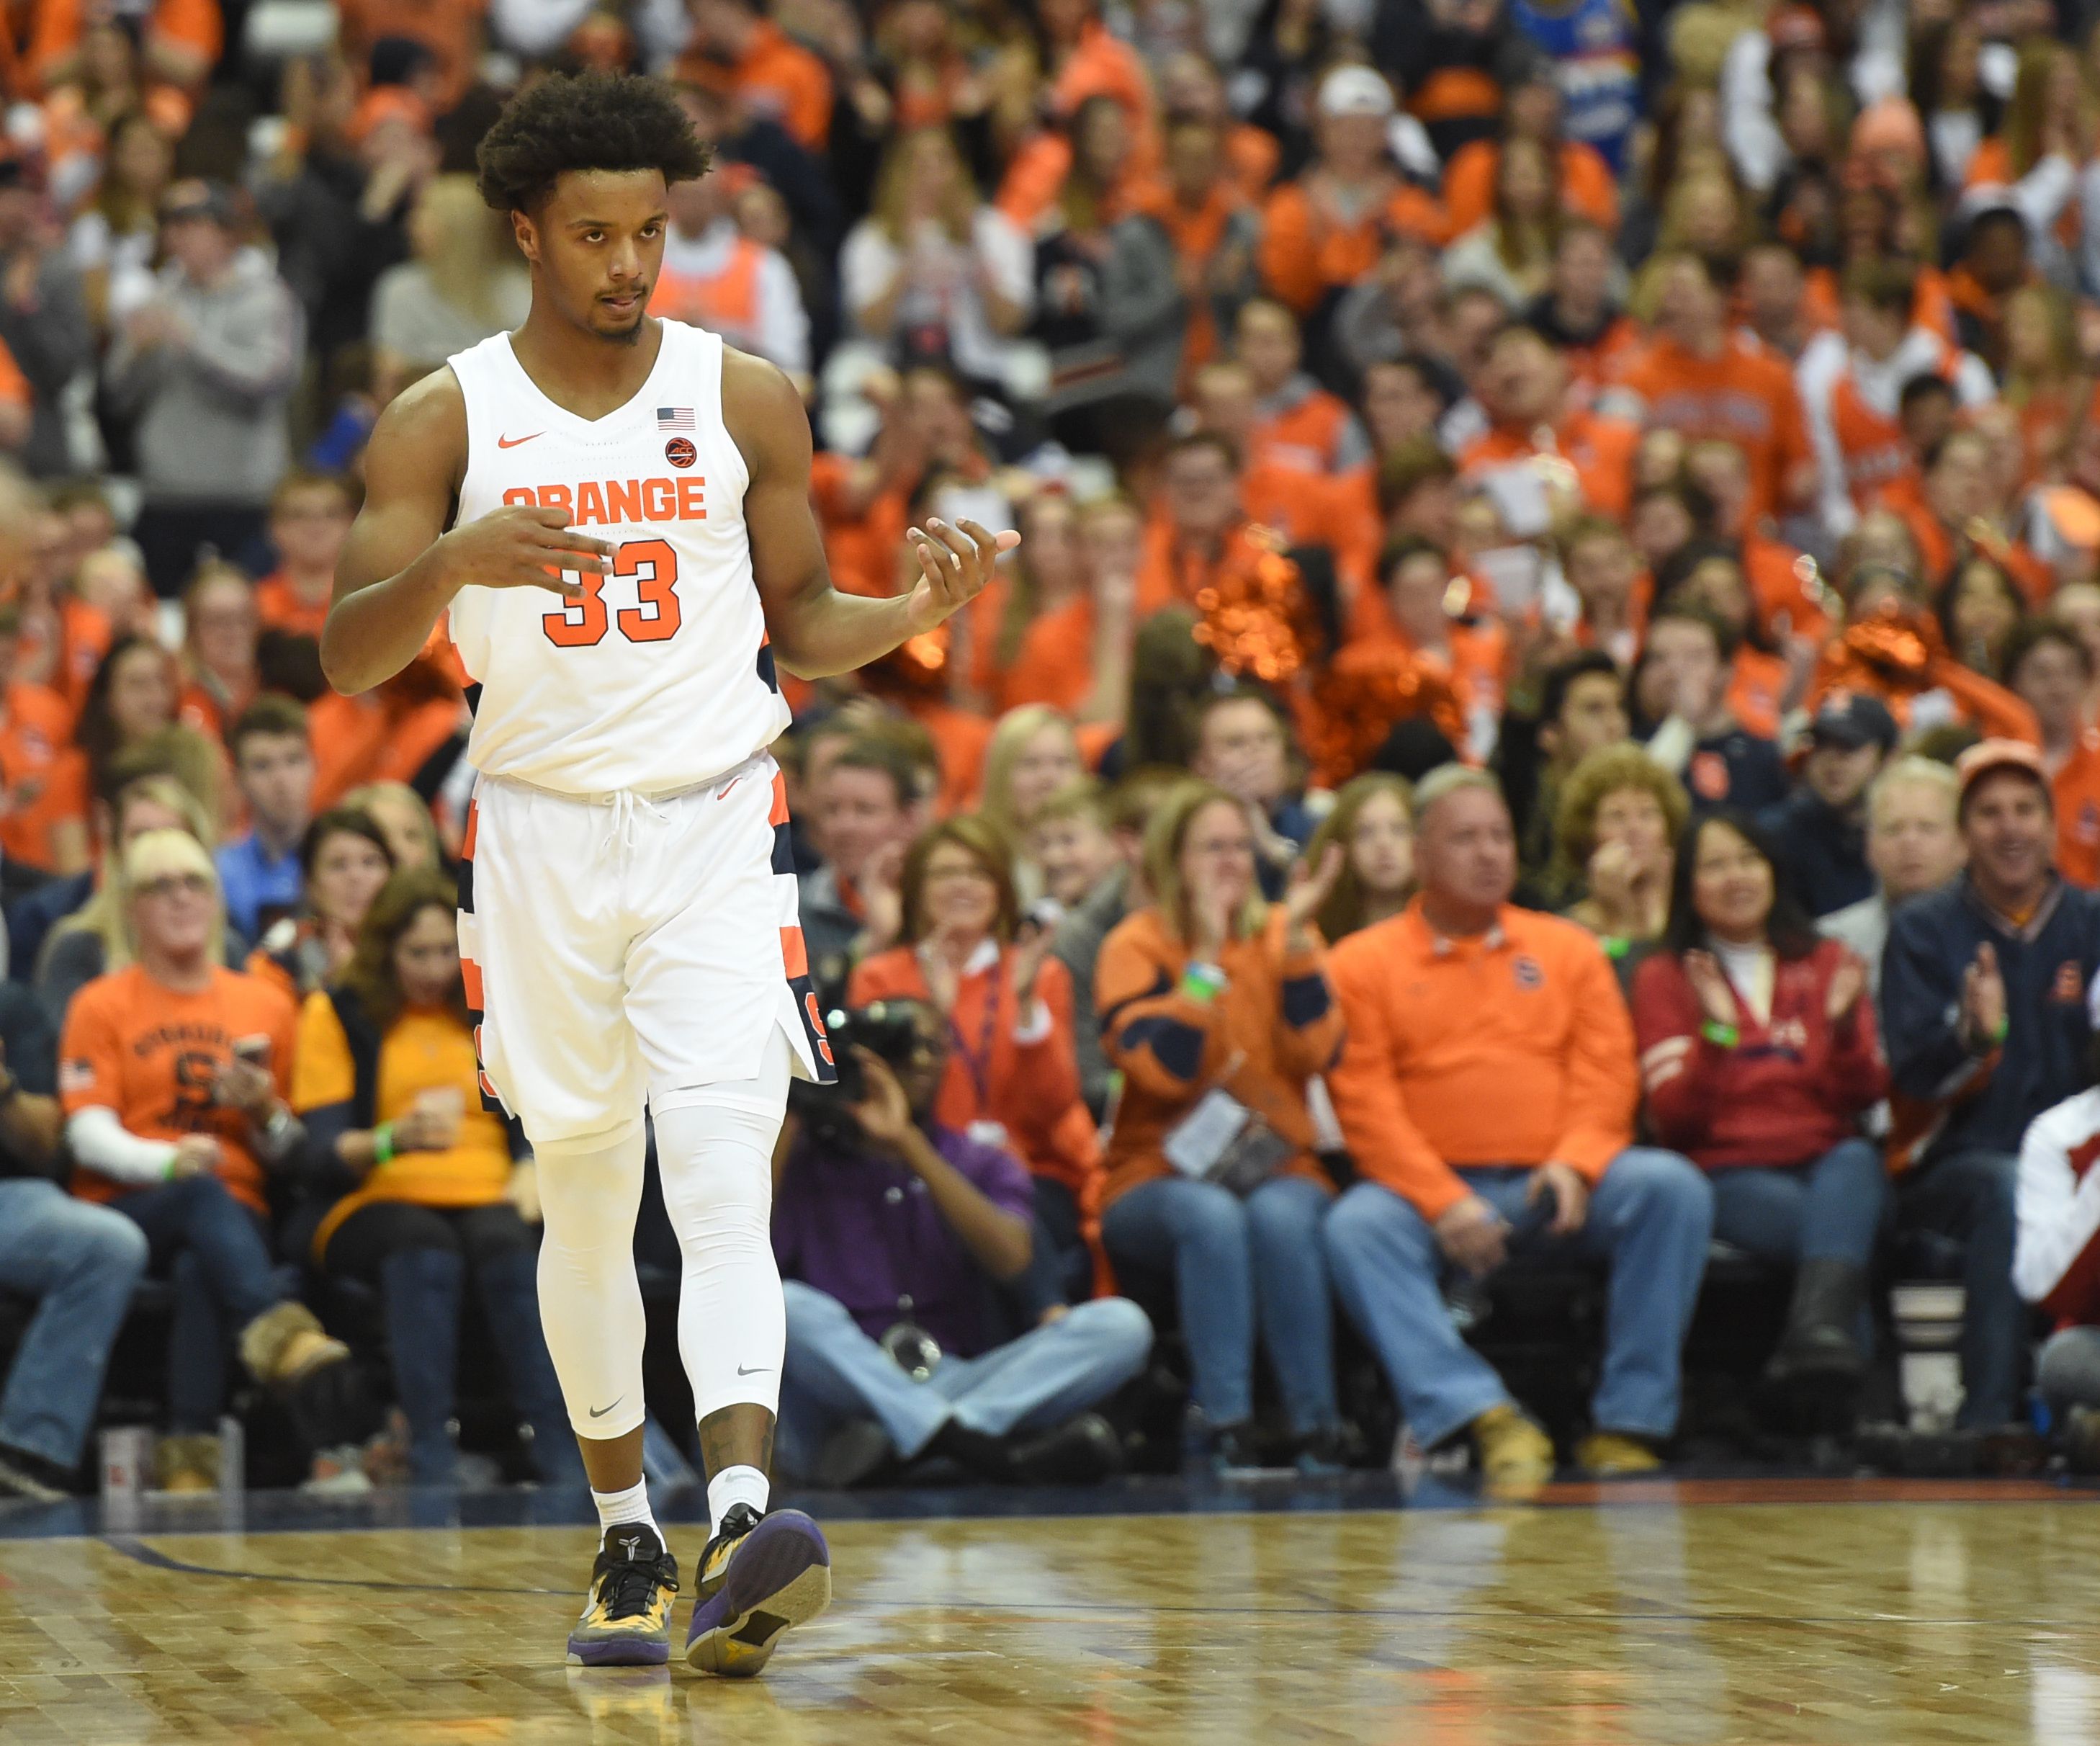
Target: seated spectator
{"x": 866, "y": 810}
{"x": 1578, "y": 312}
{"x": 220, "y": 625}
{"x": 1012, "y": 1078}
{"x": 2058, "y": 1209}
{"x": 1979, "y": 609}
{"x": 1243, "y": 746}
{"x": 2050, "y": 670}
{"x": 1327, "y": 229}
{"x": 403, "y": 820}
{"x": 737, "y": 49}
{"x": 113, "y": 240}
{"x": 1984, "y": 1009}
{"x": 1681, "y": 687}
{"x": 174, "y": 1076}
{"x": 388, "y": 1082}
{"x": 131, "y": 698}
{"x": 1213, "y": 220}
{"x": 931, "y": 256}
{"x": 1372, "y": 823}
{"x": 1580, "y": 708}
{"x": 1298, "y": 424}
{"x": 889, "y": 1235}
{"x": 1509, "y": 252}
{"x": 1542, "y": 458}
{"x": 1821, "y": 827}
{"x": 1071, "y": 612}
{"x": 463, "y": 282}
{"x": 1032, "y": 753}
{"x": 1212, "y": 998}
{"x": 274, "y": 765}
{"x": 1071, "y": 843}
{"x": 1758, "y": 1060}
{"x": 310, "y": 518}
{"x": 1914, "y": 846}
{"x": 1081, "y": 933}
{"x": 1709, "y": 575}
{"x": 96, "y": 939}
{"x": 207, "y": 367}
{"x": 715, "y": 276}
{"x": 44, "y": 828}
{"x": 1457, "y": 1127}
{"x": 78, "y": 1262}
{"x": 345, "y": 859}
{"x": 1621, "y": 814}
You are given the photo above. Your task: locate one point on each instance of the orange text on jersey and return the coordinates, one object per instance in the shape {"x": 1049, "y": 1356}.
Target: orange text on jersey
{"x": 618, "y": 502}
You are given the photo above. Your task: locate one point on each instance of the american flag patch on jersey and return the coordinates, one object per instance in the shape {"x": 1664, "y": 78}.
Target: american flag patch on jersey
{"x": 75, "y": 1075}
{"x": 674, "y": 417}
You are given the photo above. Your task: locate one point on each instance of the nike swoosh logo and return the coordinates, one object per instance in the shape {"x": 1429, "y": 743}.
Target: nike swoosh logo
{"x": 599, "y": 1412}
{"x": 512, "y": 442}
{"x": 756, "y": 1370}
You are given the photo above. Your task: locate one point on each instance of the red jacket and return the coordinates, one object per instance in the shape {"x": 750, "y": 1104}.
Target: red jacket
{"x": 1789, "y": 1090}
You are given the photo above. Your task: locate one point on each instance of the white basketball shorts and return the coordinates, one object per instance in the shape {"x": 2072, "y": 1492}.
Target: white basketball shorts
{"x": 618, "y": 946}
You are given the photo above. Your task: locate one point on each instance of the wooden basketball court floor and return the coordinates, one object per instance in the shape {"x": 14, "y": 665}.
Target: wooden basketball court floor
{"x": 1795, "y": 1612}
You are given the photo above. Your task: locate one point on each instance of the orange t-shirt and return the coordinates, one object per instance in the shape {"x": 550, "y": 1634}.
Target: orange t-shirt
{"x": 195, "y": 25}
{"x": 1307, "y": 249}
{"x": 151, "y": 1053}
{"x": 360, "y": 740}
{"x": 280, "y": 608}
{"x": 1055, "y": 663}
{"x": 2077, "y": 787}
{"x": 1100, "y": 65}
{"x": 1587, "y": 186}
{"x": 44, "y": 778}
{"x": 777, "y": 77}
{"x": 1744, "y": 396}
{"x": 1600, "y": 450}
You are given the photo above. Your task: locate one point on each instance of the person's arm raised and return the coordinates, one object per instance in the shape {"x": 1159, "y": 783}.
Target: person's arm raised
{"x": 816, "y": 631}
{"x": 399, "y": 568}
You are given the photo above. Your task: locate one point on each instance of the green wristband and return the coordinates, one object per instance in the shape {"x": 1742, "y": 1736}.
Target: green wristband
{"x": 1726, "y": 1035}
{"x": 382, "y": 1143}
{"x": 1201, "y": 982}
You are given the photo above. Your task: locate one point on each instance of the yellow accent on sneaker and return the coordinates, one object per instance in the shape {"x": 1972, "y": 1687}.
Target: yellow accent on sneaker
{"x": 187, "y": 1464}
{"x": 1609, "y": 1454}
{"x": 1516, "y": 1456}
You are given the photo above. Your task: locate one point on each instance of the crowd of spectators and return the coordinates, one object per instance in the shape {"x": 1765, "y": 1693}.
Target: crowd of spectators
{"x": 1547, "y": 716}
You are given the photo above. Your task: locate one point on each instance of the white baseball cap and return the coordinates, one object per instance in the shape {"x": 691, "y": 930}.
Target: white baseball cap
{"x": 1355, "y": 90}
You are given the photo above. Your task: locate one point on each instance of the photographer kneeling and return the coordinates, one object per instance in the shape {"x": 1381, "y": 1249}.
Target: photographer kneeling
{"x": 891, "y": 1232}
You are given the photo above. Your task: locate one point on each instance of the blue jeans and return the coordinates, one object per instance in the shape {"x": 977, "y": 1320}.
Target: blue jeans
{"x": 81, "y": 1263}
{"x": 1234, "y": 1262}
{"x": 223, "y": 1280}
{"x": 1968, "y": 1195}
{"x": 834, "y": 1372}
{"x": 1650, "y": 1219}
{"x": 1826, "y": 1209}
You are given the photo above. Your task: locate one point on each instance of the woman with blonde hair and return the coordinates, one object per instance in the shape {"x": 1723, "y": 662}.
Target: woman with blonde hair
{"x": 1032, "y": 753}
{"x": 1213, "y": 997}
{"x": 464, "y": 284}
{"x": 1615, "y": 834}
{"x": 1373, "y": 825}
{"x": 1509, "y": 254}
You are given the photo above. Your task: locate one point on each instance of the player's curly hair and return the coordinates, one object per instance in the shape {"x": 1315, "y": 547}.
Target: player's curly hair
{"x": 585, "y": 120}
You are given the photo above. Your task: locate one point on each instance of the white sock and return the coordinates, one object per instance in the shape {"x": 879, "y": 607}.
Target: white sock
{"x": 624, "y": 1508}
{"x": 731, "y": 1486}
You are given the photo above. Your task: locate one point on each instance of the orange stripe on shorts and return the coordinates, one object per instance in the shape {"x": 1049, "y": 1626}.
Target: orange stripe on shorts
{"x": 794, "y": 955}
{"x": 779, "y": 799}
{"x": 470, "y": 973}
{"x": 473, "y": 828}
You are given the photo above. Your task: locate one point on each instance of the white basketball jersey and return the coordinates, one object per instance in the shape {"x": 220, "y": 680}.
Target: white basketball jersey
{"x": 660, "y": 677}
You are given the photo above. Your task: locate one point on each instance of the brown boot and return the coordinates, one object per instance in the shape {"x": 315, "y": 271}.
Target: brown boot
{"x": 285, "y": 1343}
{"x": 186, "y": 1464}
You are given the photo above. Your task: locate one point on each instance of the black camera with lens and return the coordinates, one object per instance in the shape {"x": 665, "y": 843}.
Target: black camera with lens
{"x": 888, "y": 1030}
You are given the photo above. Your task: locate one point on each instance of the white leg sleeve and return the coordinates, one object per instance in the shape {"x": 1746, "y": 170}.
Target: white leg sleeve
{"x": 714, "y": 1151}
{"x": 590, "y": 1301}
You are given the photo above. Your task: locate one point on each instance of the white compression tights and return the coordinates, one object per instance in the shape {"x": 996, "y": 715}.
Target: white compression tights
{"x": 715, "y": 1155}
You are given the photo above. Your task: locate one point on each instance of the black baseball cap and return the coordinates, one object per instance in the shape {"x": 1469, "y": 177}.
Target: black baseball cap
{"x": 1850, "y": 720}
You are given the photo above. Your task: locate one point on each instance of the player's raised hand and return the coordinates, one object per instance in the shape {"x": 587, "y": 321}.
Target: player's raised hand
{"x": 524, "y": 545}
{"x": 954, "y": 566}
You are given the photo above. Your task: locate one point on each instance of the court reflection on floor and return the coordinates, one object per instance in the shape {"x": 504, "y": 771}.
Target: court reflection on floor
{"x": 1897, "y": 1622}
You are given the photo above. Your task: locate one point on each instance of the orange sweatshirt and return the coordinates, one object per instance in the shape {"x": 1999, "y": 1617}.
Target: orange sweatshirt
{"x": 1000, "y": 1067}
{"x": 1272, "y": 1026}
{"x": 1508, "y": 1049}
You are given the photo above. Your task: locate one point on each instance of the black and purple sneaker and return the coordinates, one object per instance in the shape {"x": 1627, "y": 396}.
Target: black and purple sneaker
{"x": 626, "y": 1619}
{"x": 759, "y": 1575}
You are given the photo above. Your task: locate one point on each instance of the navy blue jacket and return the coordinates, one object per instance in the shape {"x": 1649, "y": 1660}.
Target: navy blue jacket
{"x": 2048, "y": 965}
{"x": 1825, "y": 852}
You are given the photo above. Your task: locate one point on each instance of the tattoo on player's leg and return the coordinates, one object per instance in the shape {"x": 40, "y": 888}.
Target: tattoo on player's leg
{"x": 727, "y": 1438}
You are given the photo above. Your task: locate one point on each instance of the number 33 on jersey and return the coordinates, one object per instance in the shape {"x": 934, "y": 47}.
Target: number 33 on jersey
{"x": 659, "y": 676}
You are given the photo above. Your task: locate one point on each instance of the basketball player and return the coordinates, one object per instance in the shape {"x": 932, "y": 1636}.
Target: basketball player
{"x": 631, "y": 551}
